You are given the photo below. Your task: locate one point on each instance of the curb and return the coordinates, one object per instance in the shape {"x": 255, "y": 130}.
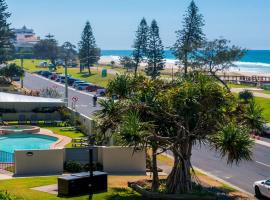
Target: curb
{"x": 216, "y": 178}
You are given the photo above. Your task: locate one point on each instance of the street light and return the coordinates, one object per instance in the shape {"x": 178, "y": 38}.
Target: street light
{"x": 91, "y": 174}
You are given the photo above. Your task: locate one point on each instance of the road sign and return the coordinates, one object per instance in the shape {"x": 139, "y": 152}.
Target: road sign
{"x": 75, "y": 99}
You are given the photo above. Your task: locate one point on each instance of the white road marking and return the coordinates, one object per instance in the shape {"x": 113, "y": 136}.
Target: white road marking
{"x": 81, "y": 105}
{"x": 262, "y": 163}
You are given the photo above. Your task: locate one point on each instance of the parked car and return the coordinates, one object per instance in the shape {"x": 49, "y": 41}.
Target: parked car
{"x": 53, "y": 76}
{"x": 77, "y": 82}
{"x": 43, "y": 64}
{"x": 71, "y": 81}
{"x": 82, "y": 86}
{"x": 92, "y": 88}
{"x": 101, "y": 92}
{"x": 63, "y": 79}
{"x": 38, "y": 72}
{"x": 266, "y": 129}
{"x": 59, "y": 78}
{"x": 262, "y": 188}
{"x": 16, "y": 78}
{"x": 46, "y": 74}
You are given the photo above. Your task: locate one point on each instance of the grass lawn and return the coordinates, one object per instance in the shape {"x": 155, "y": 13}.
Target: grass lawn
{"x": 65, "y": 131}
{"x": 265, "y": 104}
{"x": 239, "y": 86}
{"x": 21, "y": 187}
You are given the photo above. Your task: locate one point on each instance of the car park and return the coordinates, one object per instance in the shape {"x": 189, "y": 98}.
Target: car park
{"x": 77, "y": 83}
{"x": 82, "y": 86}
{"x": 262, "y": 188}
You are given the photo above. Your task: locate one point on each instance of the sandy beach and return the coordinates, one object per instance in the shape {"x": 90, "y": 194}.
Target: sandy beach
{"x": 170, "y": 65}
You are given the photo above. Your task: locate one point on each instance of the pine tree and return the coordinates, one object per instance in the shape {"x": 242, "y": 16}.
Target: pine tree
{"x": 190, "y": 38}
{"x": 6, "y": 34}
{"x": 89, "y": 54}
{"x": 155, "y": 52}
{"x": 47, "y": 49}
{"x": 140, "y": 44}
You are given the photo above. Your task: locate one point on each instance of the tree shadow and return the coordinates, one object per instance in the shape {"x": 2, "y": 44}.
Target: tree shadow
{"x": 86, "y": 74}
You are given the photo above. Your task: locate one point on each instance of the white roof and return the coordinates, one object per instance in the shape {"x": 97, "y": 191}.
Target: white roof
{"x": 18, "y": 98}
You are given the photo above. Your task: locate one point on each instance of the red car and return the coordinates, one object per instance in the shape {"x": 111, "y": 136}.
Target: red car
{"x": 92, "y": 88}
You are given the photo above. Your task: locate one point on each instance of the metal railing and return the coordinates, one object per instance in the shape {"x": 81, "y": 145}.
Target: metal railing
{"x": 7, "y": 161}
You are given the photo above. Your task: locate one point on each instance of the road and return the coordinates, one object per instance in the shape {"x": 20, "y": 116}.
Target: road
{"x": 242, "y": 175}
{"x": 84, "y": 104}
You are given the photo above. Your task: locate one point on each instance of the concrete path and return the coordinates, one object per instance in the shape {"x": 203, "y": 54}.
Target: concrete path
{"x": 4, "y": 175}
{"x": 253, "y": 90}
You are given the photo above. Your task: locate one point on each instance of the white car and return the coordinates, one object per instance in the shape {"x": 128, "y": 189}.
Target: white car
{"x": 266, "y": 129}
{"x": 262, "y": 188}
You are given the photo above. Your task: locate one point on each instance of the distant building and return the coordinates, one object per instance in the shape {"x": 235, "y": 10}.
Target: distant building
{"x": 25, "y": 38}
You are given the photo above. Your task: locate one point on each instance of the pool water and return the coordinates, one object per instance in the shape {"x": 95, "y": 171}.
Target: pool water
{"x": 24, "y": 141}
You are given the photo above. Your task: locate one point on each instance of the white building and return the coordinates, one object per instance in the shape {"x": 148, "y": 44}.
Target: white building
{"x": 25, "y": 38}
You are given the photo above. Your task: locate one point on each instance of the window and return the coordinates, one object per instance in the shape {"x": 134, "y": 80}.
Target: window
{"x": 267, "y": 182}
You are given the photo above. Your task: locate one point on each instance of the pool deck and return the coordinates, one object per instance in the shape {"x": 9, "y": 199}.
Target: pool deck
{"x": 60, "y": 143}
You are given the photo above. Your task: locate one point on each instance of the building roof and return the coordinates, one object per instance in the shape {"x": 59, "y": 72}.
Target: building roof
{"x": 18, "y": 98}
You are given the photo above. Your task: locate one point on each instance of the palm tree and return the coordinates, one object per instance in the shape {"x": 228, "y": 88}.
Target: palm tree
{"x": 254, "y": 118}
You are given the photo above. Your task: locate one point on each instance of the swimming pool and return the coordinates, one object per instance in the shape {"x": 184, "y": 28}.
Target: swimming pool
{"x": 23, "y": 141}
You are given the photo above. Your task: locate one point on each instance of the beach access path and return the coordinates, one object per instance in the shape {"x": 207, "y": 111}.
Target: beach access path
{"x": 256, "y": 92}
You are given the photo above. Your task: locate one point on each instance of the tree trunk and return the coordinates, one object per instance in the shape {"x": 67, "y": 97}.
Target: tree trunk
{"x": 89, "y": 71}
{"x": 185, "y": 64}
{"x": 220, "y": 80}
{"x": 136, "y": 69}
{"x": 155, "y": 179}
{"x": 179, "y": 181}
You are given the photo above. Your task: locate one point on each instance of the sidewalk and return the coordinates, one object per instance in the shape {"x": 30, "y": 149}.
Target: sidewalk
{"x": 256, "y": 94}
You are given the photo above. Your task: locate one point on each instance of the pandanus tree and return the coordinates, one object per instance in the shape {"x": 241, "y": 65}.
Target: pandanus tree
{"x": 175, "y": 116}
{"x": 196, "y": 111}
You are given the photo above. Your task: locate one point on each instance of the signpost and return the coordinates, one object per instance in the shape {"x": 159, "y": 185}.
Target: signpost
{"x": 74, "y": 101}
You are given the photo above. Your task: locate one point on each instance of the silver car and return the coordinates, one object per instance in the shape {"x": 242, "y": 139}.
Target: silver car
{"x": 76, "y": 83}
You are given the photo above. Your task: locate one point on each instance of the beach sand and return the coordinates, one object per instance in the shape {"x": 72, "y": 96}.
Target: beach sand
{"x": 170, "y": 65}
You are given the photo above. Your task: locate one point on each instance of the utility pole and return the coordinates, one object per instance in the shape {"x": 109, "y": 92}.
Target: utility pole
{"x": 66, "y": 83}
{"x": 22, "y": 69}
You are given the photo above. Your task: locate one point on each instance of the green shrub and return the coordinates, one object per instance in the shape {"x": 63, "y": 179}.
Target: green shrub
{"x": 5, "y": 196}
{"x": 73, "y": 167}
{"x": 246, "y": 96}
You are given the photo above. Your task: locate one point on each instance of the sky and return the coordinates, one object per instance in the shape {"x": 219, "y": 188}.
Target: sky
{"x": 244, "y": 22}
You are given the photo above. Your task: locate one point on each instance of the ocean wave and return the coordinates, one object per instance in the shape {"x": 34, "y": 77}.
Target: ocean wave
{"x": 251, "y": 64}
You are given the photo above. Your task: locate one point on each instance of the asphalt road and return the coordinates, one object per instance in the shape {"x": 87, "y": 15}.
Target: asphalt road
{"x": 84, "y": 104}
{"x": 242, "y": 175}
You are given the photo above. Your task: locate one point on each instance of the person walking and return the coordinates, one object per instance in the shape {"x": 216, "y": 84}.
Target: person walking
{"x": 95, "y": 100}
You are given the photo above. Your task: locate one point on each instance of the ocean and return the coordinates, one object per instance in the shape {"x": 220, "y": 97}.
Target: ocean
{"x": 253, "y": 61}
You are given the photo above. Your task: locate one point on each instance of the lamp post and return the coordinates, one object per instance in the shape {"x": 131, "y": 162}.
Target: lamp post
{"x": 91, "y": 172}
{"x": 66, "y": 84}
{"x": 22, "y": 69}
